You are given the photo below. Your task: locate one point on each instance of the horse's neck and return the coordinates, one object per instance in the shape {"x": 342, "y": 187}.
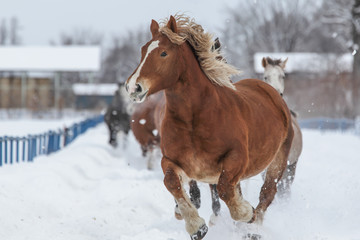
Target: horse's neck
{"x": 189, "y": 95}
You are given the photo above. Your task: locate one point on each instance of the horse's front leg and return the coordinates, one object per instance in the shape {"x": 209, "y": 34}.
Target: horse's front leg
{"x": 229, "y": 188}
{"x": 194, "y": 198}
{"x": 195, "y": 225}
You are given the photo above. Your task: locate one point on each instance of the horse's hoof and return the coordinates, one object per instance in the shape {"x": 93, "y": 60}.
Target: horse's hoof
{"x": 200, "y": 234}
{"x": 251, "y": 236}
{"x": 213, "y": 219}
{"x": 253, "y": 217}
{"x": 114, "y": 144}
{"x": 178, "y": 216}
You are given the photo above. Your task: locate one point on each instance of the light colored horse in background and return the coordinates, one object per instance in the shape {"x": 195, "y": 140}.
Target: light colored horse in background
{"x": 275, "y": 76}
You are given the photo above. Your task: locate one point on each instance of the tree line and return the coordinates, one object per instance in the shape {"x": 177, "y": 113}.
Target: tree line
{"x": 331, "y": 26}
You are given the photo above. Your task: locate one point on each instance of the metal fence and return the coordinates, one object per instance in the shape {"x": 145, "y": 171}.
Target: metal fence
{"x": 341, "y": 124}
{"x": 22, "y": 149}
{"x": 25, "y": 149}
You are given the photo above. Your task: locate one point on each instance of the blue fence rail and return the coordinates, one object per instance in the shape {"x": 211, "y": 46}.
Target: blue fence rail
{"x": 25, "y": 149}
{"x": 341, "y": 124}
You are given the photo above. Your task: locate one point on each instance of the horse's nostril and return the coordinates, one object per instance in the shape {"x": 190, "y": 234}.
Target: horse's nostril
{"x": 138, "y": 88}
{"x": 127, "y": 87}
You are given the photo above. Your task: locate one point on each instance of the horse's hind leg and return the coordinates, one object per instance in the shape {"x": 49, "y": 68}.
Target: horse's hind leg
{"x": 273, "y": 175}
{"x": 195, "y": 194}
{"x": 195, "y": 225}
{"x": 215, "y": 199}
{"x": 150, "y": 158}
{"x": 113, "y": 137}
{"x": 284, "y": 185}
{"x": 215, "y": 204}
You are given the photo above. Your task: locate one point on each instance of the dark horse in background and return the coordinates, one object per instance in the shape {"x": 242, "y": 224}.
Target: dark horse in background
{"x": 213, "y": 131}
{"x": 116, "y": 117}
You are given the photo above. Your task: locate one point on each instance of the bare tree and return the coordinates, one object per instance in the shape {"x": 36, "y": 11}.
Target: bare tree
{"x": 336, "y": 17}
{"x": 14, "y": 31}
{"x": 356, "y": 63}
{"x": 342, "y": 19}
{"x": 3, "y": 32}
{"x": 272, "y": 26}
{"x": 123, "y": 56}
{"x": 9, "y": 34}
{"x": 79, "y": 37}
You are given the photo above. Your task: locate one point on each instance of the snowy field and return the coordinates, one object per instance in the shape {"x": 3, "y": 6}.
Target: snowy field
{"x": 90, "y": 191}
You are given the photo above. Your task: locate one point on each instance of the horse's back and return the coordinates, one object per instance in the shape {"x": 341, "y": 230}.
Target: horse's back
{"x": 263, "y": 99}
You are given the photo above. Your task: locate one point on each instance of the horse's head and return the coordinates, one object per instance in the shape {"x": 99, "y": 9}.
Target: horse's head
{"x": 274, "y": 73}
{"x": 159, "y": 65}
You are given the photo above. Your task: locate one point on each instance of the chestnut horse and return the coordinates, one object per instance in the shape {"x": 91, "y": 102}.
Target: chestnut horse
{"x": 212, "y": 131}
{"x": 275, "y": 76}
{"x": 145, "y": 124}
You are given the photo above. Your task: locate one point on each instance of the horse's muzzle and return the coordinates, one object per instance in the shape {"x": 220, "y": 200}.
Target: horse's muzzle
{"x": 137, "y": 93}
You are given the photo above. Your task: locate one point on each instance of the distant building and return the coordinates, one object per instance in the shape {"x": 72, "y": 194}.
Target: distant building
{"x": 308, "y": 62}
{"x": 316, "y": 85}
{"x": 92, "y": 96}
{"x": 30, "y": 77}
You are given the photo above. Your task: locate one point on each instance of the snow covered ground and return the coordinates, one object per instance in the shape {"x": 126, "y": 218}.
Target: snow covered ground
{"x": 90, "y": 191}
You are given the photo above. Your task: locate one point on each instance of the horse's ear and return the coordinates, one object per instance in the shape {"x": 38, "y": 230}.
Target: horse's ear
{"x": 264, "y": 62}
{"x": 154, "y": 27}
{"x": 283, "y": 64}
{"x": 172, "y": 24}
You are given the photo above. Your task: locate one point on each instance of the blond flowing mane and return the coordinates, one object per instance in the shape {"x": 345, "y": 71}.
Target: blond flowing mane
{"x": 218, "y": 71}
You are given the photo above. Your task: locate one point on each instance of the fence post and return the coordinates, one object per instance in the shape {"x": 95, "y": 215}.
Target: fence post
{"x": 46, "y": 143}
{"x": 17, "y": 149}
{"x": 34, "y": 153}
{"x": 11, "y": 139}
{"x": 56, "y": 142}
{"x": 40, "y": 144}
{"x": 29, "y": 158}
{"x": 66, "y": 136}
{"x": 59, "y": 139}
{"x": 50, "y": 142}
{"x": 23, "y": 150}
{"x": 1, "y": 157}
{"x": 6, "y": 150}
{"x": 75, "y": 131}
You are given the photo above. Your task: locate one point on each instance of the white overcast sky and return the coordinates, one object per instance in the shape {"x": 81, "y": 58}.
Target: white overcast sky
{"x": 44, "y": 20}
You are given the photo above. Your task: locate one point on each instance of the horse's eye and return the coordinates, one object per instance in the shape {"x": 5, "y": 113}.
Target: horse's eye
{"x": 163, "y": 54}
{"x": 265, "y": 78}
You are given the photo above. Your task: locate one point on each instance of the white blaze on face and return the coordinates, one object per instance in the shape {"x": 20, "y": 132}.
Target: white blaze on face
{"x": 133, "y": 79}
